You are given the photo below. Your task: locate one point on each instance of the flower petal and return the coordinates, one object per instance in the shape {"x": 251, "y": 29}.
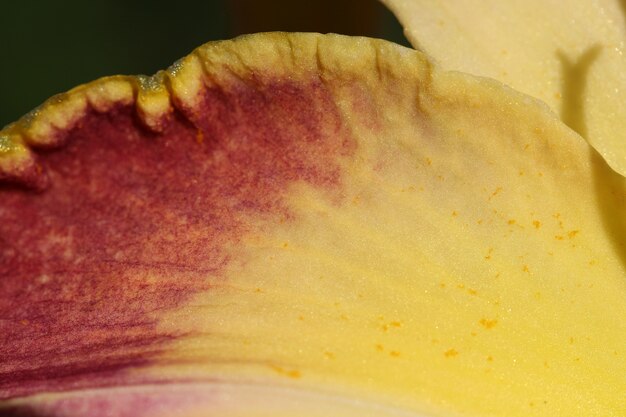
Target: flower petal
{"x": 198, "y": 400}
{"x": 570, "y": 56}
{"x": 324, "y": 213}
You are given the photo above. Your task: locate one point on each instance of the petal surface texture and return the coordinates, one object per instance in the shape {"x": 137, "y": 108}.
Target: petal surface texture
{"x": 321, "y": 214}
{"x": 571, "y": 56}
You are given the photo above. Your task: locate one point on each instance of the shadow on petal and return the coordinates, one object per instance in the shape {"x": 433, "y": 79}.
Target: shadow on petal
{"x": 609, "y": 185}
{"x": 611, "y": 196}
{"x": 575, "y": 75}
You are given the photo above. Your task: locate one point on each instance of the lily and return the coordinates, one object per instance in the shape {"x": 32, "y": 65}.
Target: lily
{"x": 303, "y": 224}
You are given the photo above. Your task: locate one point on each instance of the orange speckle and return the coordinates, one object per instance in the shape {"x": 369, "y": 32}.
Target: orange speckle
{"x": 428, "y": 161}
{"x": 455, "y": 213}
{"x": 396, "y": 324}
{"x": 301, "y": 318}
{"x": 199, "y": 136}
{"x": 258, "y": 290}
{"x": 329, "y": 355}
{"x": 559, "y": 237}
{"x": 285, "y": 245}
{"x": 442, "y": 285}
{"x": 24, "y": 322}
{"x": 479, "y": 221}
{"x": 290, "y": 373}
{"x": 450, "y": 353}
{"x": 525, "y": 268}
{"x": 572, "y": 233}
{"x": 490, "y": 358}
{"x": 495, "y": 193}
{"x": 472, "y": 291}
{"x": 380, "y": 347}
{"x": 511, "y": 222}
{"x": 394, "y": 353}
{"x": 527, "y": 146}
{"x": 537, "y": 224}
{"x": 571, "y": 340}
{"x": 488, "y": 324}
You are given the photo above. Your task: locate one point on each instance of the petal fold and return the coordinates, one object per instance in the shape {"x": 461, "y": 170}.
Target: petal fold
{"x": 570, "y": 56}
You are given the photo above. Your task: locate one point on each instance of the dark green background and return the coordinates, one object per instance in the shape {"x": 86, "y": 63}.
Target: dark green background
{"x": 48, "y": 47}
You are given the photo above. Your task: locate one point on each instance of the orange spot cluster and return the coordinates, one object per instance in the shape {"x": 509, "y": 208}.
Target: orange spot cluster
{"x": 393, "y": 324}
{"x": 289, "y": 373}
{"x": 487, "y": 323}
{"x": 381, "y": 349}
{"x": 495, "y": 193}
{"x": 450, "y": 353}
{"x": 569, "y": 235}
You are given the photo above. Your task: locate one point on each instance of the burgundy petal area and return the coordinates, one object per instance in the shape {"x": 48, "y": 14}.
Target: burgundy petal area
{"x": 134, "y": 223}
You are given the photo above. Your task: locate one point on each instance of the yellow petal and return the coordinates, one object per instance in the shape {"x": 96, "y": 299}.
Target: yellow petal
{"x": 570, "y": 55}
{"x": 430, "y": 242}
